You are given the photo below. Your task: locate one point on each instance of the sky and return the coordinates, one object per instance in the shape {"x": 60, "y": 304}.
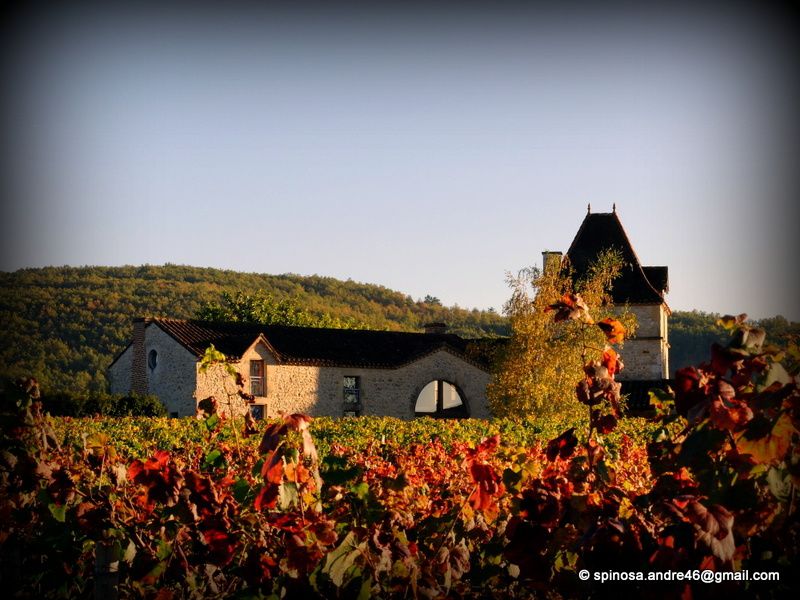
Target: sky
{"x": 432, "y": 149}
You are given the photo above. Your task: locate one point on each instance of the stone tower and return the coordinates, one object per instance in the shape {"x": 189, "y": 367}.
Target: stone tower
{"x": 642, "y": 289}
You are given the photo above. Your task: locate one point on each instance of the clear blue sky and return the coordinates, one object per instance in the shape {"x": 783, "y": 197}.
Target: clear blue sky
{"x": 430, "y": 151}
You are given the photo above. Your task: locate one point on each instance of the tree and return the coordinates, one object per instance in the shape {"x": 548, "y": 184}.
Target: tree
{"x": 263, "y": 308}
{"x": 536, "y": 372}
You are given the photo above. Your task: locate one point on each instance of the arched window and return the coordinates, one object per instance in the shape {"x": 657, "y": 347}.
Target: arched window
{"x": 152, "y": 359}
{"x": 440, "y": 399}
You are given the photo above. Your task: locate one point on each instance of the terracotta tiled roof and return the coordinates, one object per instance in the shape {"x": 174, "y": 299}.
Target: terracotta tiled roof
{"x": 600, "y": 231}
{"x": 316, "y": 346}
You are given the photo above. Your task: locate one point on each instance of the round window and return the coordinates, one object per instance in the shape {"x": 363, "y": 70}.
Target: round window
{"x": 152, "y": 359}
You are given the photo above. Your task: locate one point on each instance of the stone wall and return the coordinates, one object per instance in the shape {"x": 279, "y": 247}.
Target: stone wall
{"x": 173, "y": 378}
{"x": 139, "y": 358}
{"x": 319, "y": 391}
{"x": 119, "y": 373}
{"x": 176, "y": 379}
{"x": 646, "y": 355}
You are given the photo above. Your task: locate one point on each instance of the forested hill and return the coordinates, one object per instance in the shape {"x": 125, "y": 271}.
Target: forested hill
{"x": 64, "y": 325}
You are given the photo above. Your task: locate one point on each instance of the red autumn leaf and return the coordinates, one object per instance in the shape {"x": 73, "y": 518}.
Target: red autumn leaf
{"x": 488, "y": 488}
{"x": 297, "y": 421}
{"x": 614, "y": 330}
{"x": 202, "y": 493}
{"x": 713, "y": 527}
{"x": 134, "y": 469}
{"x": 542, "y": 505}
{"x": 296, "y": 472}
{"x": 221, "y": 544}
{"x": 563, "y": 446}
{"x": 690, "y": 389}
{"x": 267, "y": 497}
{"x": 603, "y": 423}
{"x": 272, "y": 437}
{"x": 729, "y": 414}
{"x": 487, "y": 445}
{"x": 724, "y": 359}
{"x": 611, "y": 361}
{"x": 272, "y": 469}
{"x": 484, "y": 448}
{"x": 250, "y": 425}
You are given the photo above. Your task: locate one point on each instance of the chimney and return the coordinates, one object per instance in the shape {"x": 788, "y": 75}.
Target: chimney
{"x": 549, "y": 258}
{"x": 435, "y": 328}
{"x": 139, "y": 360}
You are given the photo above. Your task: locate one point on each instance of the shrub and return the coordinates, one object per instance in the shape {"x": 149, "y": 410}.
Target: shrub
{"x": 68, "y": 404}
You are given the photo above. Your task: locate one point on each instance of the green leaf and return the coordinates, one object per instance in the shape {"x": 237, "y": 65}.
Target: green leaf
{"x": 780, "y": 484}
{"x": 212, "y": 422}
{"x": 365, "y": 593}
{"x": 776, "y": 373}
{"x": 241, "y": 490}
{"x": 287, "y": 495}
{"x": 361, "y": 491}
{"x": 339, "y": 560}
{"x": 130, "y": 552}
{"x": 215, "y": 458}
{"x": 59, "y": 512}
{"x": 163, "y": 551}
{"x": 336, "y": 470}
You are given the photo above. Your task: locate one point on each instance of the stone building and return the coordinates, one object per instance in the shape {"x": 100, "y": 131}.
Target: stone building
{"x": 642, "y": 289}
{"x": 332, "y": 372}
{"x": 337, "y": 372}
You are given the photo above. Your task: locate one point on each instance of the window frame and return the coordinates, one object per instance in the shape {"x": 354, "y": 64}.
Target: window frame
{"x": 258, "y": 407}
{"x": 259, "y": 379}
{"x": 351, "y": 396}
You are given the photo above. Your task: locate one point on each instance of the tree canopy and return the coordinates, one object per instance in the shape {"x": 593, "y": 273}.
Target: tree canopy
{"x": 537, "y": 370}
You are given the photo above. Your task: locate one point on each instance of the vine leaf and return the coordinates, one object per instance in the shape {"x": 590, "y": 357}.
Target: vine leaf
{"x": 614, "y": 330}
{"x": 772, "y": 447}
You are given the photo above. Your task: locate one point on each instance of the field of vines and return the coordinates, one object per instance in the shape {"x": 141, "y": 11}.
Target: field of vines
{"x": 704, "y": 492}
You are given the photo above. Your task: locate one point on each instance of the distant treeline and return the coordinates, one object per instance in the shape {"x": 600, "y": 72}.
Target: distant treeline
{"x": 64, "y": 325}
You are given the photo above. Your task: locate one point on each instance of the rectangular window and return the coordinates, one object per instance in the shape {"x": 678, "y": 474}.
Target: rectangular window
{"x": 257, "y": 411}
{"x": 352, "y": 395}
{"x": 257, "y": 383}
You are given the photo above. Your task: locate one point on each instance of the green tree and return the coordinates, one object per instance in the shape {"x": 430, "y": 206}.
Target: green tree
{"x": 537, "y": 370}
{"x": 263, "y": 308}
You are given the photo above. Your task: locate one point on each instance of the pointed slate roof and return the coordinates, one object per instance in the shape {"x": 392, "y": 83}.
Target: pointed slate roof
{"x": 636, "y": 284}
{"x": 317, "y": 346}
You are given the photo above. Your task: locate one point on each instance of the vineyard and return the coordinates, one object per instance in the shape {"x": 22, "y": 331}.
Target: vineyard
{"x": 375, "y": 507}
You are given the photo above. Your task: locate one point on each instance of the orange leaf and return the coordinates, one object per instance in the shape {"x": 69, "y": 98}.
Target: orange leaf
{"x": 614, "y": 330}
{"x": 772, "y": 447}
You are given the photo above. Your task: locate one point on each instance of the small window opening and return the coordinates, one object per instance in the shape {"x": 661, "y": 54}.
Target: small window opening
{"x": 257, "y": 386}
{"x": 351, "y": 386}
{"x": 257, "y": 411}
{"x": 152, "y": 359}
